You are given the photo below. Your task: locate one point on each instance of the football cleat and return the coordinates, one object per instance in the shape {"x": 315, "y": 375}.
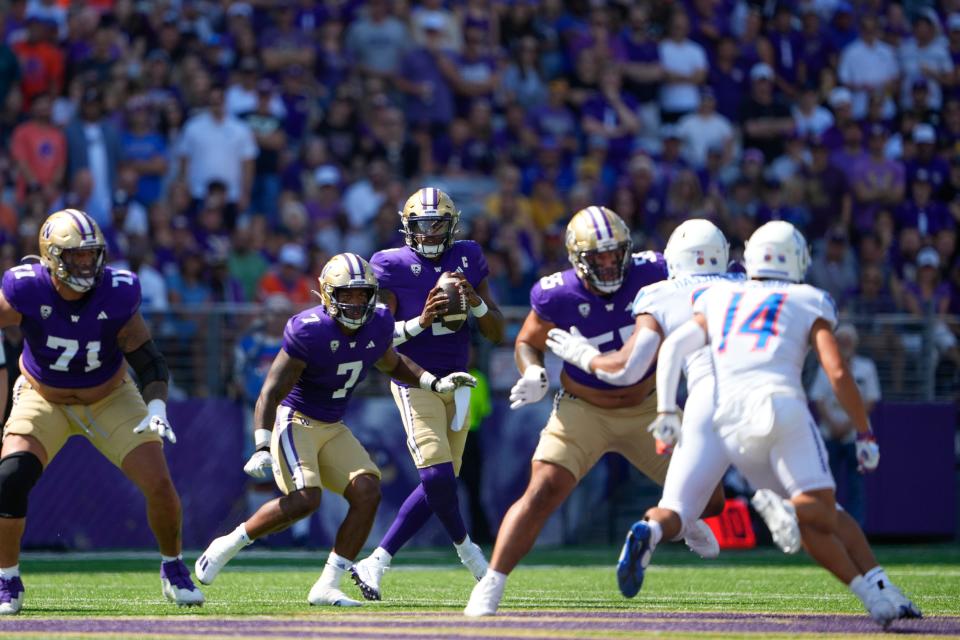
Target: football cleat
{"x": 11, "y": 596}
{"x": 367, "y": 574}
{"x": 905, "y": 607}
{"x": 218, "y": 554}
{"x": 485, "y": 598}
{"x": 177, "y": 586}
{"x": 780, "y": 517}
{"x": 322, "y": 594}
{"x": 472, "y": 558}
{"x": 634, "y": 558}
{"x": 700, "y": 539}
{"x": 881, "y": 608}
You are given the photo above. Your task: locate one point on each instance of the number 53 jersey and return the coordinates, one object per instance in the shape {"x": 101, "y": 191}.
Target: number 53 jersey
{"x": 71, "y": 344}
{"x": 336, "y": 362}
{"x": 760, "y": 333}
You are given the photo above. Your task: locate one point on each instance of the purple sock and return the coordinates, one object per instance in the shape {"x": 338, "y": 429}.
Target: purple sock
{"x": 440, "y": 487}
{"x": 413, "y": 514}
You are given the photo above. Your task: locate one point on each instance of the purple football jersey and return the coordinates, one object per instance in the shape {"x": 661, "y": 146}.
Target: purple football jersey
{"x": 607, "y": 321}
{"x": 71, "y": 345}
{"x": 336, "y": 362}
{"x": 410, "y": 276}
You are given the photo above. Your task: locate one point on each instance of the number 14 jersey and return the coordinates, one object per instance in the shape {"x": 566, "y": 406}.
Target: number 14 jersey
{"x": 71, "y": 344}
{"x": 760, "y": 333}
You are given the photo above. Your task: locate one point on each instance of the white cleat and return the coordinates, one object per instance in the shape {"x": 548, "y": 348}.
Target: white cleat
{"x": 881, "y": 608}
{"x": 780, "y": 517}
{"x": 323, "y": 595}
{"x": 485, "y": 598}
{"x": 218, "y": 554}
{"x": 905, "y": 606}
{"x": 367, "y": 574}
{"x": 700, "y": 539}
{"x": 471, "y": 556}
{"x": 176, "y": 585}
{"x": 11, "y": 596}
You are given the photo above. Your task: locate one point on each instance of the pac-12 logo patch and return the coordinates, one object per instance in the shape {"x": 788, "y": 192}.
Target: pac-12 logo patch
{"x": 584, "y": 309}
{"x": 334, "y": 345}
{"x": 415, "y": 268}
{"x": 45, "y": 311}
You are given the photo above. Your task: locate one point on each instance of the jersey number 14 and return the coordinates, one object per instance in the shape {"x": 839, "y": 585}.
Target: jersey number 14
{"x": 761, "y": 323}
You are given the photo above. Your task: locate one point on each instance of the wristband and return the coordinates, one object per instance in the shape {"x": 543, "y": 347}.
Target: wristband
{"x": 480, "y": 310}
{"x": 428, "y": 381}
{"x": 412, "y": 326}
{"x": 261, "y": 438}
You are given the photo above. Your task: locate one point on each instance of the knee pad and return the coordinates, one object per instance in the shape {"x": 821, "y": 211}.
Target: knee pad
{"x": 18, "y": 473}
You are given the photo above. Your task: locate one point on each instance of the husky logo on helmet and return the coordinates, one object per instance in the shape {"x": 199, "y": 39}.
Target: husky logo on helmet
{"x": 696, "y": 247}
{"x": 598, "y": 246}
{"x": 348, "y": 271}
{"x": 777, "y": 251}
{"x": 429, "y": 220}
{"x": 66, "y": 238}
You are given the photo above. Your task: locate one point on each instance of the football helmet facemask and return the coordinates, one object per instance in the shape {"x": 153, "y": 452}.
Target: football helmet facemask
{"x": 598, "y": 246}
{"x": 429, "y": 220}
{"x": 73, "y": 249}
{"x": 348, "y": 272}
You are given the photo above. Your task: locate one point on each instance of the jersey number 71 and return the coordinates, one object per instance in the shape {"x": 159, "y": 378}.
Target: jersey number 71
{"x": 762, "y": 321}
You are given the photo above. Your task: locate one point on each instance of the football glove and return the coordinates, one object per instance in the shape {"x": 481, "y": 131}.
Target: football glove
{"x": 868, "y": 452}
{"x": 260, "y": 465}
{"x": 530, "y": 388}
{"x": 454, "y": 381}
{"x": 572, "y": 347}
{"x": 156, "y": 421}
{"x": 666, "y": 430}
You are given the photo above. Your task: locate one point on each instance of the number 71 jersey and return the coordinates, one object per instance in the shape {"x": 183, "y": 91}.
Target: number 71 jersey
{"x": 336, "y": 362}
{"x": 71, "y": 344}
{"x": 760, "y": 332}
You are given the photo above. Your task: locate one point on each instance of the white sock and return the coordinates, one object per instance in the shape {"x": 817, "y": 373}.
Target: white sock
{"x": 382, "y": 556}
{"x": 497, "y": 578}
{"x": 860, "y": 588}
{"x": 239, "y": 536}
{"x": 334, "y": 569}
{"x": 10, "y": 572}
{"x": 656, "y": 532}
{"x": 463, "y": 546}
{"x": 179, "y": 556}
{"x": 877, "y": 576}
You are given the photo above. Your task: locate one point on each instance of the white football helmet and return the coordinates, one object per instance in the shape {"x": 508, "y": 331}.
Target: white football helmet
{"x": 778, "y": 251}
{"x": 65, "y": 235}
{"x": 348, "y": 271}
{"x": 696, "y": 247}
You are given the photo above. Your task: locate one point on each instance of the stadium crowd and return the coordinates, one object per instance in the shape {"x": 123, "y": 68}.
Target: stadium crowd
{"x": 228, "y": 149}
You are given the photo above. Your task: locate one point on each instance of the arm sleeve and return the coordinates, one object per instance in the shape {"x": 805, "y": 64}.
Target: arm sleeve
{"x": 638, "y": 363}
{"x": 681, "y": 343}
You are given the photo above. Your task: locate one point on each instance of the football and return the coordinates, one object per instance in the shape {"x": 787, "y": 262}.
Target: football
{"x": 455, "y": 314}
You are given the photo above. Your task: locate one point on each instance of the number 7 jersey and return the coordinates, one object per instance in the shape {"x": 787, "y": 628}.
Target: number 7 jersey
{"x": 760, "y": 332}
{"x": 71, "y": 344}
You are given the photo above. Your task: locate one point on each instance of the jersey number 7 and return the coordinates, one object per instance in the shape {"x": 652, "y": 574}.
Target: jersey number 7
{"x": 762, "y": 321}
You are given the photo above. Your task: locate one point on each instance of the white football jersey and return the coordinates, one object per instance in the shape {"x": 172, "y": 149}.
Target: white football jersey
{"x": 760, "y": 333}
{"x": 670, "y": 303}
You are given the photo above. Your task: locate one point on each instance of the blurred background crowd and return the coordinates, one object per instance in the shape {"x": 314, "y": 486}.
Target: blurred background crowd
{"x": 228, "y": 148}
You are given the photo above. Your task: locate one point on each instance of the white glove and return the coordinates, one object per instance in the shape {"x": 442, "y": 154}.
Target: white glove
{"x": 156, "y": 421}
{"x": 260, "y": 465}
{"x": 530, "y": 388}
{"x": 572, "y": 347}
{"x": 666, "y": 429}
{"x": 453, "y": 381}
{"x": 868, "y": 452}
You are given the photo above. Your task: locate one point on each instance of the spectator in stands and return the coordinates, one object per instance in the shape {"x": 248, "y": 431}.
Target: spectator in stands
{"x": 838, "y": 432}
{"x": 246, "y": 264}
{"x": 287, "y": 277}
{"x": 377, "y": 40}
{"x": 42, "y": 63}
{"x": 421, "y": 77}
{"x": 285, "y": 45}
{"x": 921, "y": 211}
{"x": 685, "y": 68}
{"x": 925, "y": 57}
{"x": 929, "y": 298}
{"x": 868, "y": 64}
{"x": 834, "y": 268}
{"x": 39, "y": 152}
{"x": 705, "y": 129}
{"x": 9, "y": 71}
{"x": 611, "y": 115}
{"x": 925, "y": 157}
{"x": 144, "y": 149}
{"x": 766, "y": 120}
{"x": 218, "y": 146}
{"x": 93, "y": 143}
{"x": 810, "y": 118}
{"x": 271, "y": 139}
{"x": 523, "y": 81}
{"x": 876, "y": 180}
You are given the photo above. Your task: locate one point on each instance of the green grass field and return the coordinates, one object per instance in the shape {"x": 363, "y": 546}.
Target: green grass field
{"x": 576, "y": 580}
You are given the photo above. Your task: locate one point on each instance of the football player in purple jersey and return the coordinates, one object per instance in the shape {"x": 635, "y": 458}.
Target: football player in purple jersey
{"x": 434, "y": 422}
{"x": 327, "y": 350}
{"x": 82, "y": 326}
{"x": 590, "y": 417}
